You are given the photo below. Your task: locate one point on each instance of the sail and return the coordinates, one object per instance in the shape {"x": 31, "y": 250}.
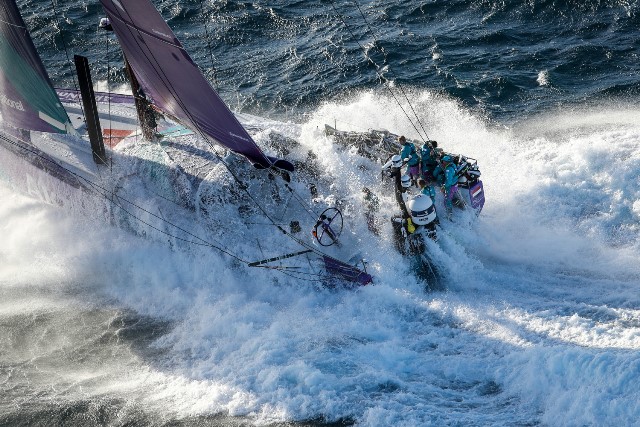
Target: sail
{"x": 346, "y": 271}
{"x": 27, "y": 98}
{"x": 170, "y": 78}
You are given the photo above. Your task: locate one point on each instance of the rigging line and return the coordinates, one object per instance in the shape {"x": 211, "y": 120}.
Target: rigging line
{"x": 279, "y": 269}
{"x": 106, "y": 35}
{"x": 97, "y": 191}
{"x": 66, "y": 51}
{"x": 206, "y": 32}
{"x": 293, "y": 269}
{"x": 299, "y": 275}
{"x": 243, "y": 186}
{"x": 299, "y": 199}
{"x": 204, "y": 242}
{"x": 384, "y": 79}
{"x": 171, "y": 235}
{"x": 282, "y": 269}
{"x": 381, "y": 48}
{"x": 37, "y": 153}
{"x": 301, "y": 242}
{"x": 103, "y": 192}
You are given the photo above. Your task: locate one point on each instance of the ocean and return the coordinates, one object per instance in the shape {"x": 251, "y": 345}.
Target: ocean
{"x": 539, "y": 321}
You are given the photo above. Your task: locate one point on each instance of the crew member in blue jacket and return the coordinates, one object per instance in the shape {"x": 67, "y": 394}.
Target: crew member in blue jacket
{"x": 429, "y": 160}
{"x": 427, "y": 189}
{"x": 409, "y": 152}
{"x": 449, "y": 181}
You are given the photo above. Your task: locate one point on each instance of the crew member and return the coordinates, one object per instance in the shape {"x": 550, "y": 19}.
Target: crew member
{"x": 450, "y": 183}
{"x": 429, "y": 154}
{"x": 411, "y": 155}
{"x": 427, "y": 189}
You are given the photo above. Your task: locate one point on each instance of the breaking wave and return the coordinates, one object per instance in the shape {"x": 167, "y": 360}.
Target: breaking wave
{"x": 539, "y": 323}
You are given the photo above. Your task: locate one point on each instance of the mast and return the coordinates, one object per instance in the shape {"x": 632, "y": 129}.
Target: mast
{"x": 146, "y": 113}
{"x": 90, "y": 109}
{"x": 144, "y": 109}
{"x": 175, "y": 84}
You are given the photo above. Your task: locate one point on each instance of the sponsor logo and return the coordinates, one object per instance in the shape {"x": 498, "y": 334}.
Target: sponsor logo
{"x": 16, "y": 105}
{"x": 162, "y": 34}
{"x": 67, "y": 96}
{"x": 238, "y": 136}
{"x": 476, "y": 192}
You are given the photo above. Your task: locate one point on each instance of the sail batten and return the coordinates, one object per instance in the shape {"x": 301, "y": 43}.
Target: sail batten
{"x": 175, "y": 84}
{"x": 27, "y": 98}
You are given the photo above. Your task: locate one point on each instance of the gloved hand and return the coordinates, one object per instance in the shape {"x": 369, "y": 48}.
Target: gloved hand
{"x": 404, "y": 232}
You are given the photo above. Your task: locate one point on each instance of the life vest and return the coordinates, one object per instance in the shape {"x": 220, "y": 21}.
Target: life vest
{"x": 410, "y": 227}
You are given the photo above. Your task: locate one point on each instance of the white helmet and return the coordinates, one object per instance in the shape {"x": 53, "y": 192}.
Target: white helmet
{"x": 396, "y": 161}
{"x": 405, "y": 180}
{"x": 422, "y": 210}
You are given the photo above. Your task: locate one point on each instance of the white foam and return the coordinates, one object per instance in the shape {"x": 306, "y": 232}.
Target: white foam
{"x": 540, "y": 322}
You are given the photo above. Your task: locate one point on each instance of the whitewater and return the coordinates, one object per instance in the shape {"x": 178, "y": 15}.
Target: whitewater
{"x": 539, "y": 322}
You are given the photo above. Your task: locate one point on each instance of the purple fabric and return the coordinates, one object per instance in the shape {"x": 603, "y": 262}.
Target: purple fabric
{"x": 26, "y": 93}
{"x": 173, "y": 81}
{"x": 72, "y": 95}
{"x": 346, "y": 271}
{"x": 414, "y": 171}
{"x": 476, "y": 194}
{"x": 448, "y": 201}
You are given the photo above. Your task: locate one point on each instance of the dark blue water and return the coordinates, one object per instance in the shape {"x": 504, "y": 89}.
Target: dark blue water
{"x": 503, "y": 59}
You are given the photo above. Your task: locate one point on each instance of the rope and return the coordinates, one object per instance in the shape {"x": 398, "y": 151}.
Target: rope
{"x": 299, "y": 199}
{"x": 174, "y": 93}
{"x": 106, "y": 36}
{"x": 100, "y": 190}
{"x": 117, "y": 200}
{"x": 381, "y": 48}
{"x": 380, "y": 76}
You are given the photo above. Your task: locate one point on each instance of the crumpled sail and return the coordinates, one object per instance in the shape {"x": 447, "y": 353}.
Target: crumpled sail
{"x": 174, "y": 82}
{"x": 27, "y": 98}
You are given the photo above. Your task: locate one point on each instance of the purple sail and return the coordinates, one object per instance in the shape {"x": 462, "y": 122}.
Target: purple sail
{"x": 27, "y": 98}
{"x": 174, "y": 82}
{"x": 346, "y": 271}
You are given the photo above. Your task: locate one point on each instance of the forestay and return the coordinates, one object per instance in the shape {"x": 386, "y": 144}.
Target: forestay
{"x": 174, "y": 83}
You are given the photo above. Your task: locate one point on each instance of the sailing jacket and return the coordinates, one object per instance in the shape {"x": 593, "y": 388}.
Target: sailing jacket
{"x": 450, "y": 177}
{"x": 409, "y": 151}
{"x": 429, "y": 191}
{"x": 429, "y": 161}
{"x": 447, "y": 177}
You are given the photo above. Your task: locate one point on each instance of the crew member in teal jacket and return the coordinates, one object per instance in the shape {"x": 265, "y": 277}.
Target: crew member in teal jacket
{"x": 429, "y": 159}
{"x": 427, "y": 189}
{"x": 409, "y": 152}
{"x": 449, "y": 182}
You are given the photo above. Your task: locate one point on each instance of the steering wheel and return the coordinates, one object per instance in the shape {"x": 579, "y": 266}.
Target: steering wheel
{"x": 328, "y": 227}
